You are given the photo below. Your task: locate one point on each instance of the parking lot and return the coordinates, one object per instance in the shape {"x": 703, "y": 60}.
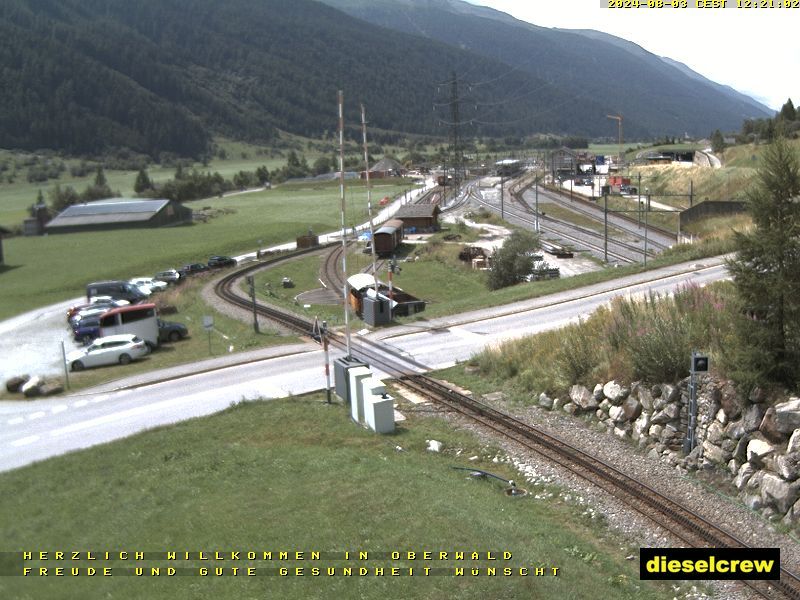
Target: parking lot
{"x": 31, "y": 343}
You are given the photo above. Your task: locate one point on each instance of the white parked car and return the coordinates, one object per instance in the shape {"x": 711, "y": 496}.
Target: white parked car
{"x": 149, "y": 284}
{"x": 110, "y": 350}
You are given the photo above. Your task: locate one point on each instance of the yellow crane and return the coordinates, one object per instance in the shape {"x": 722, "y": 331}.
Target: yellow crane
{"x": 618, "y": 119}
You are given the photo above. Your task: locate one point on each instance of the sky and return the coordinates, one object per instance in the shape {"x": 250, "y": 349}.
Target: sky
{"x": 754, "y": 50}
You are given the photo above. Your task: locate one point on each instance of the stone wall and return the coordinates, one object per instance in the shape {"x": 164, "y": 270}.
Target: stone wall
{"x": 756, "y": 445}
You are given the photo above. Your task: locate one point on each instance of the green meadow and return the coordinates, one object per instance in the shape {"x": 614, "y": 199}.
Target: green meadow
{"x": 297, "y": 475}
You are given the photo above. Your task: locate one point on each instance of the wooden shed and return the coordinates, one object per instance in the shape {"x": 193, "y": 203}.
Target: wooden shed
{"x": 419, "y": 218}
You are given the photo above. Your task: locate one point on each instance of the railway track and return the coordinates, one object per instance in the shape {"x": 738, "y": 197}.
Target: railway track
{"x": 628, "y": 225}
{"x": 690, "y": 528}
{"x": 578, "y": 236}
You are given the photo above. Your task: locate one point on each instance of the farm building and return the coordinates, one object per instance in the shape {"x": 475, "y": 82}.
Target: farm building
{"x": 386, "y": 167}
{"x": 119, "y": 213}
{"x": 389, "y": 236}
{"x": 419, "y": 218}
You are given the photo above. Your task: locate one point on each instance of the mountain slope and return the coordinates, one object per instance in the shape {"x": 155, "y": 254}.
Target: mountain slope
{"x": 654, "y": 97}
{"x": 162, "y": 75}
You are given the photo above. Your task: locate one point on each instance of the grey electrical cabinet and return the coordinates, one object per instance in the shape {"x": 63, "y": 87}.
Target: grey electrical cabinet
{"x": 341, "y": 378}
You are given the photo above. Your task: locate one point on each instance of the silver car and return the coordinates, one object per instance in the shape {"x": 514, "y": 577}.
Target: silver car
{"x": 110, "y": 350}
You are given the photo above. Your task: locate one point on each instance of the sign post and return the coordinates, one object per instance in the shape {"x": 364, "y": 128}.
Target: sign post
{"x": 208, "y": 325}
{"x": 699, "y": 365}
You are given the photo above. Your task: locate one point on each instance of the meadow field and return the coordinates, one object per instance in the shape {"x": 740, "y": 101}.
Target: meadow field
{"x": 298, "y": 475}
{"x": 42, "y": 270}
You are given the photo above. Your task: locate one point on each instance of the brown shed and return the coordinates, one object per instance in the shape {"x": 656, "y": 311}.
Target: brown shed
{"x": 419, "y": 218}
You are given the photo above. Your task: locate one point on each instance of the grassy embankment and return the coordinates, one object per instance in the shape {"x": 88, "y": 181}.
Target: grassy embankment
{"x": 298, "y": 475}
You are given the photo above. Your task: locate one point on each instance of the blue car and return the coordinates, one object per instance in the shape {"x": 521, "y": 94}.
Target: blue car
{"x": 87, "y": 330}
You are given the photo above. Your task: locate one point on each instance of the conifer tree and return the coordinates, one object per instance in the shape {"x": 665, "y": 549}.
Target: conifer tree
{"x": 765, "y": 270}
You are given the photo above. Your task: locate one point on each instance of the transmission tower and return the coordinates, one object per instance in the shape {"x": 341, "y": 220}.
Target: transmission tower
{"x": 455, "y": 134}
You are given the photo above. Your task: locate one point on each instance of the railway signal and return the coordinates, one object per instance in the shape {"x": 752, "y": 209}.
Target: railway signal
{"x": 699, "y": 364}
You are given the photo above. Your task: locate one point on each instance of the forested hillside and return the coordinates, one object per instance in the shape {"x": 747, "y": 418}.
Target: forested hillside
{"x": 655, "y": 97}
{"x": 155, "y": 76}
{"x": 163, "y": 75}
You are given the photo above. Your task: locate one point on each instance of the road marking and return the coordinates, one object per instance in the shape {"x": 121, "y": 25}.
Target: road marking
{"x": 80, "y": 403}
{"x": 99, "y": 399}
{"x": 37, "y": 415}
{"x": 25, "y": 441}
{"x": 58, "y": 409}
{"x": 16, "y": 421}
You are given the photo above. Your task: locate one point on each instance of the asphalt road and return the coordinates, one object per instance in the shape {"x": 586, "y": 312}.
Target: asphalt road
{"x": 31, "y": 431}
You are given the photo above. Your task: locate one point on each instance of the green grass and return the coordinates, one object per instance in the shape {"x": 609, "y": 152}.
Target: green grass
{"x": 43, "y": 270}
{"x": 298, "y": 475}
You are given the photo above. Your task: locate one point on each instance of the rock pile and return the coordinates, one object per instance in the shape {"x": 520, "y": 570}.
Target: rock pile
{"x": 757, "y": 446}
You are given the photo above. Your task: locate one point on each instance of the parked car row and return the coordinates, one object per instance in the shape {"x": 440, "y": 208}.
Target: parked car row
{"x": 214, "y": 262}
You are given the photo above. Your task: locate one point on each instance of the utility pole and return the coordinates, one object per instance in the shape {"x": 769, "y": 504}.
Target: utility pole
{"x": 369, "y": 198}
{"x": 618, "y": 119}
{"x": 252, "y": 283}
{"x": 324, "y": 337}
{"x": 344, "y": 228}
{"x": 605, "y": 226}
{"x": 502, "y": 194}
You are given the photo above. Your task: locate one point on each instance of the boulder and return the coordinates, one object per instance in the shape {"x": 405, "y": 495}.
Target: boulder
{"x": 740, "y": 452}
{"x": 794, "y": 442}
{"x": 732, "y": 405}
{"x": 733, "y": 466}
{"x": 752, "y": 416}
{"x": 744, "y": 474}
{"x": 655, "y": 430}
{"x": 715, "y": 454}
{"x": 645, "y": 397}
{"x": 545, "y": 401}
{"x": 792, "y": 515}
{"x": 613, "y": 391}
{"x": 788, "y": 466}
{"x": 617, "y": 414}
{"x": 51, "y": 388}
{"x": 721, "y": 417}
{"x": 598, "y": 392}
{"x": 558, "y": 403}
{"x": 757, "y": 395}
{"x": 779, "y": 493}
{"x": 583, "y": 398}
{"x": 715, "y": 433}
{"x": 570, "y": 408}
{"x": 32, "y": 387}
{"x": 781, "y": 420}
{"x": 14, "y": 384}
{"x": 735, "y": 430}
{"x": 670, "y": 393}
{"x": 605, "y": 405}
{"x": 758, "y": 449}
{"x": 670, "y": 412}
{"x": 753, "y": 502}
{"x": 623, "y": 430}
{"x": 632, "y": 408}
{"x": 640, "y": 426}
